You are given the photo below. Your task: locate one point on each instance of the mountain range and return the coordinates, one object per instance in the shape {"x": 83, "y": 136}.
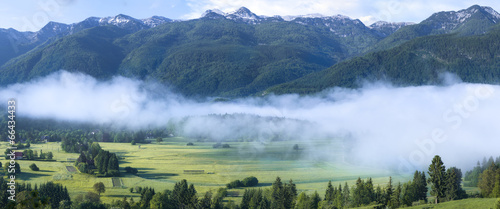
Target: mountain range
{"x": 240, "y": 53}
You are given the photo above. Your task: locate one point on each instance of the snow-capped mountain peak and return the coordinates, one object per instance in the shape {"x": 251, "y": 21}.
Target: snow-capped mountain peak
{"x": 213, "y": 11}
{"x": 243, "y": 13}
{"x": 116, "y": 20}
{"x": 155, "y": 21}
{"x": 390, "y": 24}
{"x": 290, "y": 18}
{"x": 492, "y": 12}
{"x": 386, "y": 28}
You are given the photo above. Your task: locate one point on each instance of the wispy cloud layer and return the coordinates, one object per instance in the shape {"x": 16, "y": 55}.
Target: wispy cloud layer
{"x": 406, "y": 126}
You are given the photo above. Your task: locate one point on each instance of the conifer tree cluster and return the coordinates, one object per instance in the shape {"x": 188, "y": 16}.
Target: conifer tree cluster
{"x": 42, "y": 195}
{"x": 445, "y": 184}
{"x": 102, "y": 161}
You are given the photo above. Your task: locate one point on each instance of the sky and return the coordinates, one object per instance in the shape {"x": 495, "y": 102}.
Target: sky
{"x": 31, "y": 15}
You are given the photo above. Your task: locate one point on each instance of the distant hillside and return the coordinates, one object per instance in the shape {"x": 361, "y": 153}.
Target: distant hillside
{"x": 234, "y": 54}
{"x": 241, "y": 53}
{"x": 475, "y": 20}
{"x": 474, "y": 59}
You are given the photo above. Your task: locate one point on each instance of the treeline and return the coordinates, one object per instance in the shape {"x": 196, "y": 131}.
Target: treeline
{"x": 182, "y": 196}
{"x": 486, "y": 176}
{"x": 48, "y": 194}
{"x": 471, "y": 177}
{"x": 246, "y": 182}
{"x": 98, "y": 161}
{"x": 75, "y": 136}
{"x": 29, "y": 154}
{"x": 77, "y": 143}
{"x": 363, "y": 193}
{"x": 489, "y": 181}
{"x": 445, "y": 186}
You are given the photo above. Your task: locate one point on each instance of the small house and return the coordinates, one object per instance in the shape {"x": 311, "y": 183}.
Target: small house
{"x": 19, "y": 155}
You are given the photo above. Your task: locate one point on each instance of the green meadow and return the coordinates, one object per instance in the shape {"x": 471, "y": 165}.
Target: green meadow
{"x": 472, "y": 203}
{"x": 163, "y": 164}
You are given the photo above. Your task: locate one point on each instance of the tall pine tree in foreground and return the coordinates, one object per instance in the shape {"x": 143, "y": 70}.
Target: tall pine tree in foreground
{"x": 437, "y": 178}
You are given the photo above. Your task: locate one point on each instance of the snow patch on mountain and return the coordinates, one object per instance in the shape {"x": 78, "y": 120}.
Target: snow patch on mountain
{"x": 492, "y": 12}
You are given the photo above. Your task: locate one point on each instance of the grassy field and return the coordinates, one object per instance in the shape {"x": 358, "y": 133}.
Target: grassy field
{"x": 473, "y": 203}
{"x": 162, "y": 165}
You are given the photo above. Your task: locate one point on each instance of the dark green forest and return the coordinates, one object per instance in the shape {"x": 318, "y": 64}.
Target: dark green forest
{"x": 417, "y": 62}
{"x": 217, "y": 56}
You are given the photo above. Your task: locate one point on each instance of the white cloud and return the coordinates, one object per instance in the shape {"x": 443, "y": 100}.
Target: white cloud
{"x": 406, "y": 126}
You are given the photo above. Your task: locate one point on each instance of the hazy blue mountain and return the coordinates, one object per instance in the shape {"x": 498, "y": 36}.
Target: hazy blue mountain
{"x": 14, "y": 43}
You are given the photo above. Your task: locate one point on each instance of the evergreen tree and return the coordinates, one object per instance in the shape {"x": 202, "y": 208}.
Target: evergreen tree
{"x": 113, "y": 166}
{"x": 49, "y": 155}
{"x": 437, "y": 178}
{"x": 94, "y": 149}
{"x": 388, "y": 192}
{"x": 487, "y": 180}
{"x": 290, "y": 194}
{"x": 264, "y": 204}
{"x": 205, "y": 201}
{"x": 278, "y": 199}
{"x": 101, "y": 161}
{"x": 183, "y": 195}
{"x": 396, "y": 197}
{"x": 54, "y": 192}
{"x": 407, "y": 193}
{"x": 369, "y": 193}
{"x": 217, "y": 200}
{"x": 3, "y": 191}
{"x": 247, "y": 196}
{"x": 454, "y": 189}
{"x": 338, "y": 202}
{"x": 329, "y": 194}
{"x": 256, "y": 199}
{"x": 29, "y": 199}
{"x": 379, "y": 195}
{"x": 496, "y": 189}
{"x": 81, "y": 159}
{"x": 473, "y": 175}
{"x": 358, "y": 192}
{"x": 420, "y": 186}
{"x": 315, "y": 199}
{"x": 303, "y": 201}
{"x": 346, "y": 195}
{"x": 221, "y": 193}
{"x": 147, "y": 195}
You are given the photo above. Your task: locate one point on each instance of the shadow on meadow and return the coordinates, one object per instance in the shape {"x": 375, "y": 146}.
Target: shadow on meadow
{"x": 144, "y": 169}
{"x": 263, "y": 185}
{"x": 28, "y": 176}
{"x": 156, "y": 175}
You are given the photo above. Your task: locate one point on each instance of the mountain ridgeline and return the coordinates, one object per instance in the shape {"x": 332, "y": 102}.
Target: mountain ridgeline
{"x": 240, "y": 53}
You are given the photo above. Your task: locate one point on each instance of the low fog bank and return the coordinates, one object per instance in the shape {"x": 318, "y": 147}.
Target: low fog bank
{"x": 403, "y": 126}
